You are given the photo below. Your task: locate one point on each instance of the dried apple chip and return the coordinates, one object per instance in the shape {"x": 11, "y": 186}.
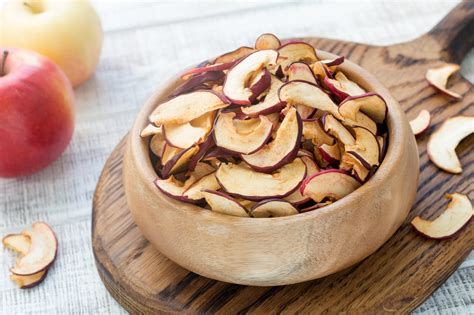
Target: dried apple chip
{"x": 438, "y": 78}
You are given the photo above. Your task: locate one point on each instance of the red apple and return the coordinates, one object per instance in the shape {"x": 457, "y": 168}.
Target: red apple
{"x": 36, "y": 112}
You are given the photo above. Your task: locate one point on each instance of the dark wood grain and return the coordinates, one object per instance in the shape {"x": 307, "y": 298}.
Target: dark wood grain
{"x": 397, "y": 278}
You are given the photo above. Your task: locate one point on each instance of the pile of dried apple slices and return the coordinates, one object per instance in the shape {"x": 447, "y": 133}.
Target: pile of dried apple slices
{"x": 267, "y": 131}
{"x": 36, "y": 249}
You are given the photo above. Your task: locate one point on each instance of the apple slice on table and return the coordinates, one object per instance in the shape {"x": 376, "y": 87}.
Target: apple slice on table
{"x": 300, "y": 71}
{"x": 332, "y": 183}
{"x": 282, "y": 150}
{"x": 233, "y": 134}
{"x": 366, "y": 147}
{"x": 242, "y": 181}
{"x": 438, "y": 78}
{"x": 362, "y": 120}
{"x": 314, "y": 131}
{"x": 234, "y": 55}
{"x": 330, "y": 153}
{"x": 267, "y": 41}
{"x": 178, "y": 161}
{"x": 308, "y": 94}
{"x": 41, "y": 253}
{"x": 353, "y": 165}
{"x": 18, "y": 242}
{"x": 186, "y": 107}
{"x": 197, "y": 81}
{"x": 371, "y": 104}
{"x": 259, "y": 84}
{"x": 335, "y": 128}
{"x": 274, "y": 207}
{"x": 208, "y": 182}
{"x": 443, "y": 142}
{"x": 296, "y": 51}
{"x": 223, "y": 203}
{"x": 28, "y": 282}
{"x": 188, "y": 134}
{"x": 457, "y": 215}
{"x": 235, "y": 85}
{"x": 270, "y": 104}
{"x": 296, "y": 198}
{"x": 421, "y": 123}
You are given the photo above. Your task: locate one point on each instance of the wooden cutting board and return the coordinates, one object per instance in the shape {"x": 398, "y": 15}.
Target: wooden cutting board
{"x": 397, "y": 278}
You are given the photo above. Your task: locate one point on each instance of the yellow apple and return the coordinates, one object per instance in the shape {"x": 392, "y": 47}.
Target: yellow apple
{"x": 66, "y": 31}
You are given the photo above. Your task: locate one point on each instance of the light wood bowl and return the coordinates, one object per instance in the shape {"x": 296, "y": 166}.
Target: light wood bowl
{"x": 285, "y": 250}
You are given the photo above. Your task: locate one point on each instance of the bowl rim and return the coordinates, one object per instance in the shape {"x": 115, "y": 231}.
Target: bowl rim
{"x": 397, "y": 133}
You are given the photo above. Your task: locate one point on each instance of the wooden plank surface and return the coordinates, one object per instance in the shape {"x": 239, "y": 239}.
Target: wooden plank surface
{"x": 140, "y": 52}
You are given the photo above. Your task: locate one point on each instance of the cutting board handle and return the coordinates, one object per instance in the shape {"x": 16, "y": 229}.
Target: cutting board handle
{"x": 455, "y": 32}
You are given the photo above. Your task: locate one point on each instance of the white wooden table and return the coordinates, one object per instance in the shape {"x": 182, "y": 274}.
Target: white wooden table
{"x": 146, "y": 42}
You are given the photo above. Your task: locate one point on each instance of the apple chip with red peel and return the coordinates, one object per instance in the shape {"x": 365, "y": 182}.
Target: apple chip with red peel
{"x": 18, "y": 242}
{"x": 316, "y": 206}
{"x": 215, "y": 67}
{"x": 158, "y": 145}
{"x": 259, "y": 84}
{"x": 362, "y": 120}
{"x": 300, "y": 71}
{"x": 223, "y": 203}
{"x": 296, "y": 198}
{"x": 188, "y": 134}
{"x": 330, "y": 153}
{"x": 177, "y": 163}
{"x": 438, "y": 78}
{"x": 443, "y": 142}
{"x": 204, "y": 148}
{"x": 371, "y": 104}
{"x": 308, "y": 94}
{"x": 173, "y": 188}
{"x": 354, "y": 166}
{"x": 273, "y": 208}
{"x": 208, "y": 182}
{"x": 335, "y": 128}
{"x": 332, "y": 183}
{"x": 421, "y": 123}
{"x": 42, "y": 252}
{"x": 198, "y": 81}
{"x": 234, "y": 55}
{"x": 28, "y": 282}
{"x": 236, "y": 83}
{"x": 270, "y": 104}
{"x": 282, "y": 150}
{"x": 242, "y": 181}
{"x": 168, "y": 153}
{"x": 150, "y": 130}
{"x": 457, "y": 215}
{"x": 186, "y": 107}
{"x": 342, "y": 87}
{"x": 383, "y": 145}
{"x": 296, "y": 51}
{"x": 314, "y": 131}
{"x": 320, "y": 70}
{"x": 365, "y": 149}
{"x": 332, "y": 63}
{"x": 267, "y": 41}
{"x": 234, "y": 135}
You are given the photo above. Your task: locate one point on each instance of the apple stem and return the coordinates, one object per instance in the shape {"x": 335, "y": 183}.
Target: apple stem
{"x": 4, "y": 61}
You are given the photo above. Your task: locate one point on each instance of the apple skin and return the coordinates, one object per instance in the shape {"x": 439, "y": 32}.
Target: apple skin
{"x": 36, "y": 113}
{"x": 67, "y": 32}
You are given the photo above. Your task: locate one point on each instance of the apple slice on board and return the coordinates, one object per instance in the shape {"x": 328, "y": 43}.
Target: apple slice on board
{"x": 270, "y": 208}
{"x": 235, "y": 88}
{"x": 282, "y": 150}
{"x": 236, "y": 136}
{"x": 305, "y": 93}
{"x": 336, "y": 129}
{"x": 241, "y": 181}
{"x": 300, "y": 71}
{"x": 267, "y": 41}
{"x": 458, "y": 213}
{"x": 421, "y": 123}
{"x": 270, "y": 104}
{"x": 296, "y": 198}
{"x": 18, "y": 242}
{"x": 234, "y": 55}
{"x": 366, "y": 147}
{"x": 177, "y": 162}
{"x": 42, "y": 252}
{"x": 186, "y": 107}
{"x": 371, "y": 104}
{"x": 188, "y": 134}
{"x": 438, "y": 78}
{"x": 296, "y": 51}
{"x": 332, "y": 183}
{"x": 223, "y": 203}
{"x": 443, "y": 142}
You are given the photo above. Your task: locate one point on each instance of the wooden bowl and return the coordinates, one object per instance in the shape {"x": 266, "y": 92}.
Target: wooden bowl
{"x": 284, "y": 250}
